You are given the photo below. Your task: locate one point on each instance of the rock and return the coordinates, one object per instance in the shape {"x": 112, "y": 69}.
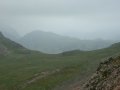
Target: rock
{"x": 107, "y": 76}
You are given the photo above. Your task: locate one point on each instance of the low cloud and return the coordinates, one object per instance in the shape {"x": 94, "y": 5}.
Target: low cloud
{"x": 78, "y": 18}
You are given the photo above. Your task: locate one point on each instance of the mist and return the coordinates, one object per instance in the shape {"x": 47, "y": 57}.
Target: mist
{"x": 84, "y": 19}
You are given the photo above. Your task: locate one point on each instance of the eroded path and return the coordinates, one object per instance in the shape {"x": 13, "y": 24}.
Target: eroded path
{"x": 38, "y": 77}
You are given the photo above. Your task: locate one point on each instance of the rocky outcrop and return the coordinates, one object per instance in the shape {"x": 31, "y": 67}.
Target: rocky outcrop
{"x": 106, "y": 77}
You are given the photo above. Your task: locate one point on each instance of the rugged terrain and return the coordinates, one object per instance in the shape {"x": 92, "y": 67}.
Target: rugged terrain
{"x": 23, "y": 69}
{"x": 107, "y": 76}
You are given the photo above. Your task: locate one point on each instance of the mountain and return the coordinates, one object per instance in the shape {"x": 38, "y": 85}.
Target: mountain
{"x": 23, "y": 69}
{"x": 9, "y": 32}
{"x": 3, "y": 49}
{"x": 48, "y": 42}
{"x": 8, "y": 46}
{"x": 107, "y": 76}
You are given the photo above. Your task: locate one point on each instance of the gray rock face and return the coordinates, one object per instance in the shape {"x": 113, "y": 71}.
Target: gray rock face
{"x": 107, "y": 76}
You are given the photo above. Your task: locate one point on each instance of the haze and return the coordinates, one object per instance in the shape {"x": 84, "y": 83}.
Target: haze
{"x": 84, "y": 19}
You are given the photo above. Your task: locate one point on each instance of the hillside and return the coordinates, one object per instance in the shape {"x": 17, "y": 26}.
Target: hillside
{"x": 8, "y": 47}
{"x": 23, "y": 69}
{"x": 9, "y": 32}
{"x": 48, "y": 42}
{"x": 107, "y": 76}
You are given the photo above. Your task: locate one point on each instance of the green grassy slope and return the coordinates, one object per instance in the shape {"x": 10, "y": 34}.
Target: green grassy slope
{"x": 22, "y": 69}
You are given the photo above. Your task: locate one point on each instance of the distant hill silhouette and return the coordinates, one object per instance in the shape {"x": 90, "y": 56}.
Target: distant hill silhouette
{"x": 52, "y": 43}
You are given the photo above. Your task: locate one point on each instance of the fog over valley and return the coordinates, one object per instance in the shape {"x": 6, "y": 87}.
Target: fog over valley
{"x": 83, "y": 19}
{"x": 59, "y": 44}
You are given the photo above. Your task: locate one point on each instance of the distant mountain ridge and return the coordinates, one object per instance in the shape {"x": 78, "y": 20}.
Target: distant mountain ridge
{"x": 52, "y": 43}
{"x": 48, "y": 42}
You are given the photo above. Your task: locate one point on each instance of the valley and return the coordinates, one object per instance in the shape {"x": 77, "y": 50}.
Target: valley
{"x": 23, "y": 69}
{"x": 59, "y": 44}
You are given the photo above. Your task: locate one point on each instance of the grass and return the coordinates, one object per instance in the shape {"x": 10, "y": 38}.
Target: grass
{"x": 20, "y": 65}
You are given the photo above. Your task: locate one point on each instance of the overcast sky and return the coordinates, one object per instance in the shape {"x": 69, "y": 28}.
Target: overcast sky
{"x": 86, "y": 19}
